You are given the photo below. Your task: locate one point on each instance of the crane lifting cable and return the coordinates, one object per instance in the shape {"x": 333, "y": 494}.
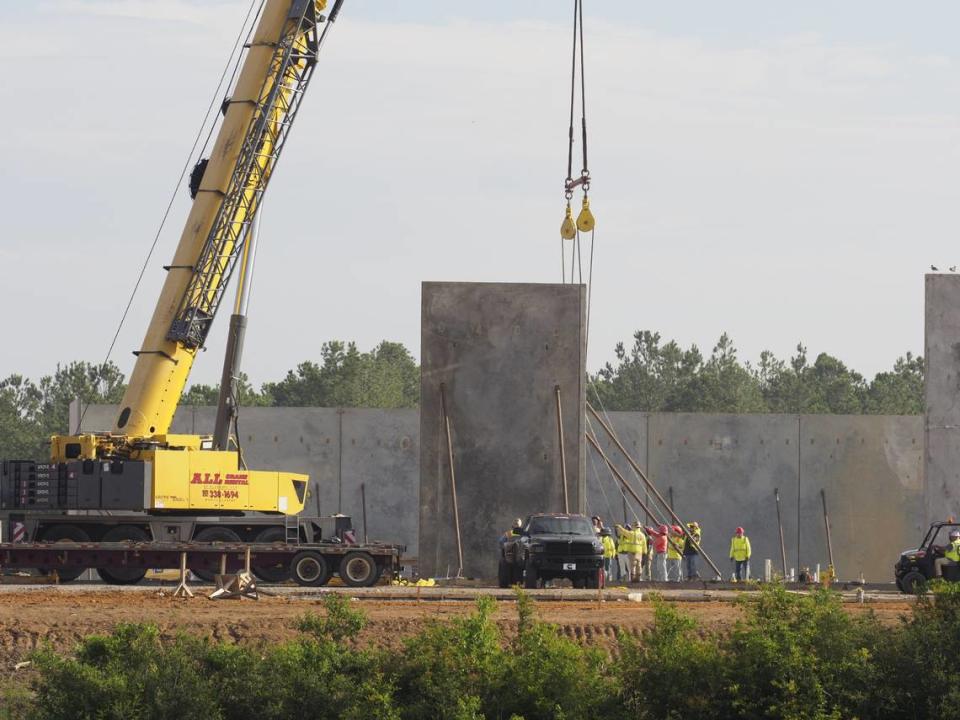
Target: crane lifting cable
{"x": 585, "y": 222}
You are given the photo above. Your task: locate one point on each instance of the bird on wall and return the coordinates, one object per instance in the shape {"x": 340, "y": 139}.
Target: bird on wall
{"x": 934, "y": 268}
{"x": 953, "y": 268}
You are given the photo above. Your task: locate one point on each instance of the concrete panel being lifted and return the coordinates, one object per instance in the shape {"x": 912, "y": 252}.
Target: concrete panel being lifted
{"x": 942, "y": 374}
{"x": 499, "y": 350}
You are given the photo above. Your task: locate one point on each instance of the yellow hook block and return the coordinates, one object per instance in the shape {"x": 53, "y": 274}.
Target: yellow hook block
{"x": 568, "y": 230}
{"x": 585, "y": 220}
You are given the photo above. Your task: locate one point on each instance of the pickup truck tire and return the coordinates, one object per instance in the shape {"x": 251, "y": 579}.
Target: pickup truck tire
{"x": 504, "y": 573}
{"x": 530, "y": 578}
{"x": 594, "y": 580}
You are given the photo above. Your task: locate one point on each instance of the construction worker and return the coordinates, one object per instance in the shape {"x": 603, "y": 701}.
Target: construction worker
{"x": 609, "y": 552}
{"x": 633, "y": 544}
{"x": 951, "y": 556}
{"x": 659, "y": 537}
{"x": 690, "y": 551}
{"x": 513, "y": 531}
{"x": 623, "y": 557}
{"x": 674, "y": 553}
{"x": 740, "y": 555}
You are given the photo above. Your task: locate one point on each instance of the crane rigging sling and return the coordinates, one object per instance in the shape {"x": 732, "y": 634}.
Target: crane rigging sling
{"x": 585, "y": 222}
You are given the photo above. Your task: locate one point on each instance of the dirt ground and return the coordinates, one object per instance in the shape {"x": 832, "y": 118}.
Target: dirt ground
{"x": 31, "y": 616}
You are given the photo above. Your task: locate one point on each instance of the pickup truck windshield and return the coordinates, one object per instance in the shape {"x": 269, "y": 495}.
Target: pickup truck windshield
{"x": 560, "y": 526}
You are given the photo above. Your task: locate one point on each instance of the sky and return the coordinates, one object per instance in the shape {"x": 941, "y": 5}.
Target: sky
{"x": 782, "y": 172}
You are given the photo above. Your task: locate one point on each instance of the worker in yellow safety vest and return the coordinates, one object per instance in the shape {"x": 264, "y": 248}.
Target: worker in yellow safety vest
{"x": 674, "y": 553}
{"x": 691, "y": 551}
{"x": 740, "y": 555}
{"x": 951, "y": 556}
{"x": 609, "y": 552}
{"x": 633, "y": 543}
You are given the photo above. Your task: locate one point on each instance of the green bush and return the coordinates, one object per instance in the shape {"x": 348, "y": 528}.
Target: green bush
{"x": 920, "y": 664}
{"x": 671, "y": 672}
{"x": 798, "y": 656}
{"x": 129, "y": 675}
{"x": 791, "y": 657}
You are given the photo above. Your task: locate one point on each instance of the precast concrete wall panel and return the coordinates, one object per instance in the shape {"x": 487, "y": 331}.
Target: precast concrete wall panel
{"x": 870, "y": 468}
{"x": 604, "y": 494}
{"x": 500, "y": 350}
{"x": 381, "y": 450}
{"x": 723, "y": 469}
{"x": 942, "y": 376}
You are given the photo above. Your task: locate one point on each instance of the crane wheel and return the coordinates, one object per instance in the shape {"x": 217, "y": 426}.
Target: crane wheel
{"x": 65, "y": 533}
{"x": 122, "y": 575}
{"x": 359, "y": 569}
{"x": 310, "y": 569}
{"x": 271, "y": 573}
{"x": 210, "y": 535}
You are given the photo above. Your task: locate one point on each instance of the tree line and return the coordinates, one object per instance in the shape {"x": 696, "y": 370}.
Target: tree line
{"x": 652, "y": 376}
{"x": 657, "y": 376}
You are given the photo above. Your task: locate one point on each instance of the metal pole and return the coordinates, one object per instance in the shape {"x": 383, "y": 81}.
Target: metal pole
{"x": 363, "y": 503}
{"x": 563, "y": 457}
{"x": 453, "y": 476}
{"x": 826, "y": 523}
{"x": 623, "y": 481}
{"x": 783, "y": 549}
{"x": 646, "y": 481}
{"x": 799, "y": 481}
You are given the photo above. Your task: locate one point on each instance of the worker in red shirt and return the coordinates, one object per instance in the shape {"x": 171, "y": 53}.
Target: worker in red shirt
{"x": 660, "y": 537}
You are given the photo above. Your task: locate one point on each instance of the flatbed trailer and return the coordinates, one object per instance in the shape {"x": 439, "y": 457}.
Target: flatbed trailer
{"x": 309, "y": 564}
{"x": 121, "y": 547}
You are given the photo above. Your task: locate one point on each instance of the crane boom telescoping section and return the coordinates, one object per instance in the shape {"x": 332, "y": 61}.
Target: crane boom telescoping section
{"x": 258, "y": 116}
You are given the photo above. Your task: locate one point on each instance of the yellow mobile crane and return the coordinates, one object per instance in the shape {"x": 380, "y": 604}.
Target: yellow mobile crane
{"x": 228, "y": 188}
{"x": 160, "y": 487}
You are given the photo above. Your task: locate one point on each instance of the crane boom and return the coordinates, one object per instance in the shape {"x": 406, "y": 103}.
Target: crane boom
{"x": 258, "y": 116}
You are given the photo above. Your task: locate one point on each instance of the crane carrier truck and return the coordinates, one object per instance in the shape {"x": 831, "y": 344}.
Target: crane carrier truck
{"x": 136, "y": 497}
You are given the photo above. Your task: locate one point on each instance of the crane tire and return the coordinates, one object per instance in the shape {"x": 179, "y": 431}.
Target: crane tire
{"x": 310, "y": 569}
{"x": 271, "y": 573}
{"x": 65, "y": 533}
{"x": 210, "y": 535}
{"x": 359, "y": 569}
{"x": 122, "y": 575}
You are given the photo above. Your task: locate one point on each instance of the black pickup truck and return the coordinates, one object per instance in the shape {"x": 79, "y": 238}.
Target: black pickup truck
{"x": 550, "y": 546}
